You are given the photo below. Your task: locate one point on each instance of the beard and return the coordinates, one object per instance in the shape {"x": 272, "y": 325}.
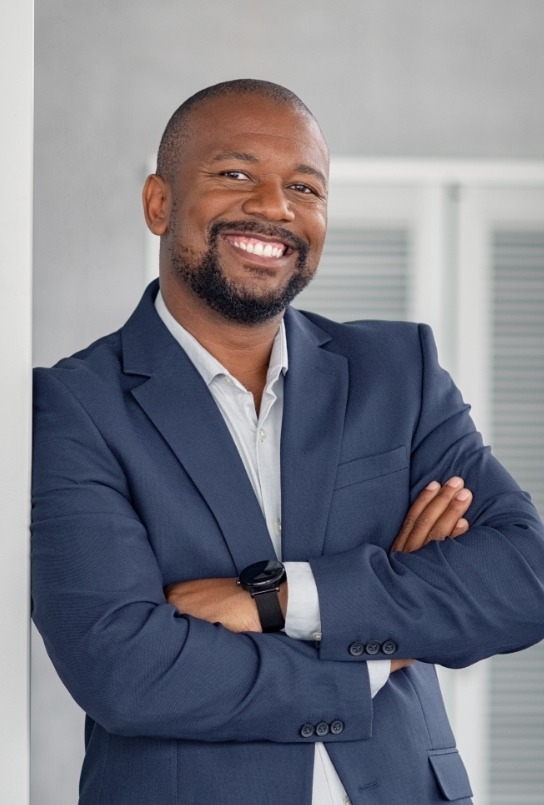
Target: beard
{"x": 232, "y": 300}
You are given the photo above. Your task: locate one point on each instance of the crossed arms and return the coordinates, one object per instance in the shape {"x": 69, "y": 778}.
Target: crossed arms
{"x": 438, "y": 512}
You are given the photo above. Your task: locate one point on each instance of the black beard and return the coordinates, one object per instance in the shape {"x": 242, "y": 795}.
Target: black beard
{"x": 207, "y": 280}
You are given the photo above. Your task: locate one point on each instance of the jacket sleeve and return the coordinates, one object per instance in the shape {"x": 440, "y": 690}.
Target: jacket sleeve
{"x": 452, "y": 602}
{"x": 126, "y": 656}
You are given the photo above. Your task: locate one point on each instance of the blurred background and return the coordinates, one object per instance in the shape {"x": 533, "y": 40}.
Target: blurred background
{"x": 434, "y": 113}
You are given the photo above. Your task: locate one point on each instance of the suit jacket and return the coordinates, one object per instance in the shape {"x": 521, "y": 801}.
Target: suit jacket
{"x": 137, "y": 484}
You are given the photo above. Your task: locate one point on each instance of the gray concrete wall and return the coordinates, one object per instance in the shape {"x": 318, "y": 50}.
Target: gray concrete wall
{"x": 385, "y": 77}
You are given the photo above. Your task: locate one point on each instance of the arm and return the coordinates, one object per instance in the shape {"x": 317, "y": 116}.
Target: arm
{"x": 454, "y": 601}
{"x": 435, "y": 514}
{"x": 128, "y": 658}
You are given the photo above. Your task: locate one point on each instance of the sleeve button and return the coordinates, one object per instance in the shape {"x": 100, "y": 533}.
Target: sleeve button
{"x": 337, "y": 727}
{"x": 389, "y": 647}
{"x": 307, "y": 730}
{"x": 322, "y": 729}
{"x": 356, "y": 649}
{"x": 373, "y": 647}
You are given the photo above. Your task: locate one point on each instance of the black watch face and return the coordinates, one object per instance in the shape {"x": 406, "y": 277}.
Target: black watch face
{"x": 262, "y": 574}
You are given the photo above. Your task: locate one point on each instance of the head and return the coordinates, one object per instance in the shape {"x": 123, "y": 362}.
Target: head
{"x": 239, "y": 200}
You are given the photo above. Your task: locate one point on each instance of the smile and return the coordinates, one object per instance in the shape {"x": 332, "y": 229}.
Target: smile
{"x": 258, "y": 247}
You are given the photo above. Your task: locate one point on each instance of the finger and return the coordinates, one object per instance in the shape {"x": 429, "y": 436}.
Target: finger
{"x": 415, "y": 510}
{"x": 434, "y": 507}
{"x": 461, "y": 527}
{"x": 449, "y": 520}
{"x": 440, "y": 516}
{"x": 429, "y": 522}
{"x": 396, "y": 665}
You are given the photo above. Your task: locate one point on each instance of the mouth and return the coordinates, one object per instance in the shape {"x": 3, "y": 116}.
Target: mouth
{"x": 259, "y": 246}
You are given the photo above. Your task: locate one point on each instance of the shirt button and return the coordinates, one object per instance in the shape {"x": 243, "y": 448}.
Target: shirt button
{"x": 337, "y": 727}
{"x": 228, "y": 380}
{"x": 322, "y": 729}
{"x": 373, "y": 647}
{"x": 307, "y": 730}
{"x": 316, "y": 635}
{"x": 262, "y": 434}
{"x": 356, "y": 649}
{"x": 389, "y": 647}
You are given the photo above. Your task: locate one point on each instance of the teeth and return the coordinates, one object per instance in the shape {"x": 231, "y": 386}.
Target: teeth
{"x": 260, "y": 249}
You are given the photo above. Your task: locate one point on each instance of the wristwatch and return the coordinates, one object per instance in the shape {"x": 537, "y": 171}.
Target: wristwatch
{"x": 262, "y": 580}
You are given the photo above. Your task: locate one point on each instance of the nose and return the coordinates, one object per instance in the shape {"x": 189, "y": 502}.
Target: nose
{"x": 268, "y": 200}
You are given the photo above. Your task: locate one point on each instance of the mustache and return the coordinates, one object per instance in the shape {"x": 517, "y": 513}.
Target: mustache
{"x": 257, "y": 228}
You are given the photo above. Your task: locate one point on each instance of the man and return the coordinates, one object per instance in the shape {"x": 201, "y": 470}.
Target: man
{"x": 219, "y": 431}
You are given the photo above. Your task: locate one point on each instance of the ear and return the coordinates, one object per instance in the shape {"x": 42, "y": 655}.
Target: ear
{"x": 156, "y": 201}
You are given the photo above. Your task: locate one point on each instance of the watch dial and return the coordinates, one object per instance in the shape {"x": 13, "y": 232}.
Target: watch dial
{"x": 262, "y": 574}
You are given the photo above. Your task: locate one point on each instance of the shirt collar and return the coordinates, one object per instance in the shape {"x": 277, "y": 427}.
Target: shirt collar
{"x": 208, "y": 366}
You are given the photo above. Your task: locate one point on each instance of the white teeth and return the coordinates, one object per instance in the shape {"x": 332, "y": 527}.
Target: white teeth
{"x": 260, "y": 249}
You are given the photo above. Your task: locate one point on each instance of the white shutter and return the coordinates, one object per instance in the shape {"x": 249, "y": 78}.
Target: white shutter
{"x": 516, "y": 713}
{"x": 364, "y": 273}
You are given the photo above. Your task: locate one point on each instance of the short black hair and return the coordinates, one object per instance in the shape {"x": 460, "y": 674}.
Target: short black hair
{"x": 177, "y": 128}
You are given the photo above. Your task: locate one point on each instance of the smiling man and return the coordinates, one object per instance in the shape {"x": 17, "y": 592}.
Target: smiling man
{"x": 240, "y": 563}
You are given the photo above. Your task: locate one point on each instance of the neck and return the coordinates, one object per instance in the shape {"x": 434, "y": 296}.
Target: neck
{"x": 243, "y": 349}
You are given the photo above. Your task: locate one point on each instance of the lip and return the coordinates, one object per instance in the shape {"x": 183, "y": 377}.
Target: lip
{"x": 257, "y": 259}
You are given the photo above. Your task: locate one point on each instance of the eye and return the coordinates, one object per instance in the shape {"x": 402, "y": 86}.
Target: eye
{"x": 237, "y": 175}
{"x": 300, "y": 187}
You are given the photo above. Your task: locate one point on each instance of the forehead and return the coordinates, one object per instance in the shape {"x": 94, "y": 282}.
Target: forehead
{"x": 261, "y": 126}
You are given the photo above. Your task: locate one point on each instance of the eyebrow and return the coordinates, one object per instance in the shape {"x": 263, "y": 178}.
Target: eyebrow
{"x": 235, "y": 155}
{"x": 245, "y": 157}
{"x": 311, "y": 172}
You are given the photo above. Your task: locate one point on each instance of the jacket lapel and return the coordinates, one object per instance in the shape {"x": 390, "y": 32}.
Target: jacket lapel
{"x": 315, "y": 398}
{"x": 178, "y": 403}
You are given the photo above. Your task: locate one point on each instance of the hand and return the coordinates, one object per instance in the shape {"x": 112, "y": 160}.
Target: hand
{"x": 396, "y": 665}
{"x": 436, "y": 513}
{"x": 217, "y": 601}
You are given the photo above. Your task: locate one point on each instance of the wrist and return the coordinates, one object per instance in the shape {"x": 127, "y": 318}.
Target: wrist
{"x": 263, "y": 581}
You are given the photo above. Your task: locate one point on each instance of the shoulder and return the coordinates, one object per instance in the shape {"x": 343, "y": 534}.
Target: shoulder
{"x": 101, "y": 356}
{"x": 374, "y": 336}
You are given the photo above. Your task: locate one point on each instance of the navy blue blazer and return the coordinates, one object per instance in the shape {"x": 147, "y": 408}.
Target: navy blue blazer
{"x": 138, "y": 484}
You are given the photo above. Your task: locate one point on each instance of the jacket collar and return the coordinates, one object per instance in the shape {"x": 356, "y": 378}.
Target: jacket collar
{"x": 180, "y": 406}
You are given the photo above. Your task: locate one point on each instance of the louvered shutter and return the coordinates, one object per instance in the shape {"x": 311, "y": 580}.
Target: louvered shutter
{"x": 364, "y": 273}
{"x": 516, "y": 711}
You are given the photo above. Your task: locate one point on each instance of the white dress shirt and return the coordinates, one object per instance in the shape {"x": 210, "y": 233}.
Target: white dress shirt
{"x": 258, "y": 441}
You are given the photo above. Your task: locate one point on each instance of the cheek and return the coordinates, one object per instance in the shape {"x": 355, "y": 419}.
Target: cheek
{"x": 317, "y": 237}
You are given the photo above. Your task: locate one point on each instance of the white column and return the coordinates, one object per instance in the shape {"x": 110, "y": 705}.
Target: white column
{"x": 16, "y": 102}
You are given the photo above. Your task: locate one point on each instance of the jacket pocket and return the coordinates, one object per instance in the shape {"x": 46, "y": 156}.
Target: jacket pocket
{"x": 450, "y": 774}
{"x": 368, "y": 467}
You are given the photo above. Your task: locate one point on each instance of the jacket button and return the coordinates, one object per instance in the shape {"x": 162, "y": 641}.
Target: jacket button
{"x": 356, "y": 649}
{"x": 389, "y": 647}
{"x": 322, "y": 729}
{"x": 373, "y": 647}
{"x": 307, "y": 730}
{"x": 337, "y": 727}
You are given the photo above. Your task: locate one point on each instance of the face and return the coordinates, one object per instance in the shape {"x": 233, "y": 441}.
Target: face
{"x": 248, "y": 207}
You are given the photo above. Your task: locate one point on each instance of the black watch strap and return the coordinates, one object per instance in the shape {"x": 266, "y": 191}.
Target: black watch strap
{"x": 269, "y": 609}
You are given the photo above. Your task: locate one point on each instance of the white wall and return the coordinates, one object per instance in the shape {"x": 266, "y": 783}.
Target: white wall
{"x": 16, "y": 62}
